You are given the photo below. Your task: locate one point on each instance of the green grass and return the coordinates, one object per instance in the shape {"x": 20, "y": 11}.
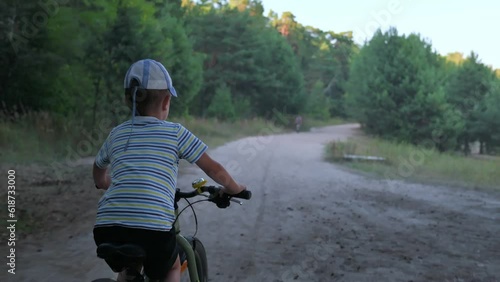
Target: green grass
{"x": 405, "y": 161}
{"x": 42, "y": 138}
{"x": 35, "y": 137}
{"x": 215, "y": 133}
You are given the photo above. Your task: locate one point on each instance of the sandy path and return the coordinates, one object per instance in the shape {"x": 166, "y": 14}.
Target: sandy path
{"x": 311, "y": 221}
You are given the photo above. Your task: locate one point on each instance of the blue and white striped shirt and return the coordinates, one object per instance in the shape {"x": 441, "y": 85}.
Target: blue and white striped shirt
{"x": 144, "y": 177}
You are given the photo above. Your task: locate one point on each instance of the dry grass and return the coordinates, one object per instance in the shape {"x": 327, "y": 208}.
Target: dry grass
{"x": 41, "y": 137}
{"x": 405, "y": 161}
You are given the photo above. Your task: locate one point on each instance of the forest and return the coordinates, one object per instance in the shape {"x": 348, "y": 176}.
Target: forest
{"x": 65, "y": 60}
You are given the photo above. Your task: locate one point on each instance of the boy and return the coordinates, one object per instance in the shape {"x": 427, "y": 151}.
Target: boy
{"x": 143, "y": 156}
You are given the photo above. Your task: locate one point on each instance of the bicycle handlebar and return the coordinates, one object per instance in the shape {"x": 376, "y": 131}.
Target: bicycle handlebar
{"x": 245, "y": 194}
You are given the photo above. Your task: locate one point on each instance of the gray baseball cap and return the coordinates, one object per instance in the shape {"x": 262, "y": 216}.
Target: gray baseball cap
{"x": 151, "y": 75}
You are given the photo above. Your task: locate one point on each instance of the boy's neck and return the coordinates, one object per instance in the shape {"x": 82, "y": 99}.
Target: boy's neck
{"x": 157, "y": 115}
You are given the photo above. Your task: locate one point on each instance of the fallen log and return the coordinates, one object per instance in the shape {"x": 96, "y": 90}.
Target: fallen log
{"x": 363, "y": 158}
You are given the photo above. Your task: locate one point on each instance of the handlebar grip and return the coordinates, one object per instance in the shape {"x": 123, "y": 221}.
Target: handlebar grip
{"x": 245, "y": 194}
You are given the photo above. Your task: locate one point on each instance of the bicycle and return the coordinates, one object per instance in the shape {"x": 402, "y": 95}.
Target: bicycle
{"x": 298, "y": 123}
{"x": 192, "y": 253}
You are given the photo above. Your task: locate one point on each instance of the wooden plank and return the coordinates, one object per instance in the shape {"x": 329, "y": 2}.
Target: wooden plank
{"x": 363, "y": 158}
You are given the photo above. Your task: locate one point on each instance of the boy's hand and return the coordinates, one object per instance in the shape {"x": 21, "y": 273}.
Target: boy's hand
{"x": 102, "y": 179}
{"x": 221, "y": 200}
{"x": 229, "y": 191}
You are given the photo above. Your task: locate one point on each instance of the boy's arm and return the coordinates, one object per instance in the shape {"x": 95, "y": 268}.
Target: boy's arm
{"x": 101, "y": 177}
{"x": 219, "y": 174}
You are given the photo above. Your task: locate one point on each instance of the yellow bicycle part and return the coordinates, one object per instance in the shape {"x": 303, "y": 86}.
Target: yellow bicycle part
{"x": 198, "y": 183}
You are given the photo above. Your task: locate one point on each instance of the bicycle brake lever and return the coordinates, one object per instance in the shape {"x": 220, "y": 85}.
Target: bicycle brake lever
{"x": 236, "y": 201}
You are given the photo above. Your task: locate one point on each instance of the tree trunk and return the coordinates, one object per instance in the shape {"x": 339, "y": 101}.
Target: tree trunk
{"x": 97, "y": 82}
{"x": 466, "y": 146}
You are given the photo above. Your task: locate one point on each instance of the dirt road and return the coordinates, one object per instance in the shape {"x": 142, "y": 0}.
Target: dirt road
{"x": 309, "y": 220}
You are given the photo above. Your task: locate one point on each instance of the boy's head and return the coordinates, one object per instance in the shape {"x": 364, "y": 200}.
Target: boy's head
{"x": 153, "y": 88}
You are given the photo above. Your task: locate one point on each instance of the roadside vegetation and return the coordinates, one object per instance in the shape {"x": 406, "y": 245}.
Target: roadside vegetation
{"x": 423, "y": 112}
{"x": 41, "y": 138}
{"x": 403, "y": 161}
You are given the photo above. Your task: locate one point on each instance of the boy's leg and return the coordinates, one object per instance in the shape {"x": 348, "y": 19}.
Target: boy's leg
{"x": 123, "y": 276}
{"x": 174, "y": 275}
{"x": 162, "y": 261}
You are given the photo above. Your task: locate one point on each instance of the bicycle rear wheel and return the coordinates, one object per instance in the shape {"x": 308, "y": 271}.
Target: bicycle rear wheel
{"x": 201, "y": 261}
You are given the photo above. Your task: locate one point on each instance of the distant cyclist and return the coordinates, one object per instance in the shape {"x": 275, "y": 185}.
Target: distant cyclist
{"x": 298, "y": 123}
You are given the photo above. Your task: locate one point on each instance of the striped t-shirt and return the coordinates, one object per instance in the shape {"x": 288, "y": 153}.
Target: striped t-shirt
{"x": 144, "y": 176}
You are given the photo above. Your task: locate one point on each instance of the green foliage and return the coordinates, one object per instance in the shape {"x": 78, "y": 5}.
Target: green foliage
{"x": 77, "y": 63}
{"x": 47, "y": 139}
{"x": 422, "y": 163}
{"x": 446, "y": 127}
{"x": 255, "y": 62}
{"x": 391, "y": 80}
{"x": 466, "y": 91}
{"x": 221, "y": 106}
{"x": 318, "y": 105}
{"x": 242, "y": 108}
{"x": 78, "y": 57}
{"x": 456, "y": 58}
{"x": 400, "y": 89}
{"x": 323, "y": 55}
{"x": 184, "y": 64}
{"x": 469, "y": 84}
{"x": 487, "y": 123}
{"x": 229, "y": 61}
{"x": 395, "y": 87}
{"x": 32, "y": 64}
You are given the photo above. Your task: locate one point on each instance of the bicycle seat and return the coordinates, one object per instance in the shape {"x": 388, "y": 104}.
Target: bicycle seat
{"x": 127, "y": 252}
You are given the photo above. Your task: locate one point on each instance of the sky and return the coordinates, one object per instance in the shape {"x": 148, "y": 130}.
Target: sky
{"x": 450, "y": 26}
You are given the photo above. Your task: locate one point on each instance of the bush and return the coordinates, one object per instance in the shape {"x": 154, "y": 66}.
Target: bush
{"x": 221, "y": 106}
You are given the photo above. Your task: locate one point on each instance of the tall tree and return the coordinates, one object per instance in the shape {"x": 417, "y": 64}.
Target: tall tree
{"x": 29, "y": 63}
{"x": 466, "y": 90}
{"x": 323, "y": 55}
{"x": 318, "y": 104}
{"x": 253, "y": 61}
{"x": 395, "y": 85}
{"x": 136, "y": 30}
{"x": 486, "y": 122}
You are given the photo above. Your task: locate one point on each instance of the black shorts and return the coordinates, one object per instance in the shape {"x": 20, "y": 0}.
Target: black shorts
{"x": 160, "y": 246}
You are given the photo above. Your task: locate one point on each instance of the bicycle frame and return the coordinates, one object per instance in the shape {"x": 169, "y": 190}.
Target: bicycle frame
{"x": 186, "y": 246}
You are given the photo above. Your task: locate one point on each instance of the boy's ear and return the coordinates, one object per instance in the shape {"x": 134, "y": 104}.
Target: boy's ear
{"x": 166, "y": 102}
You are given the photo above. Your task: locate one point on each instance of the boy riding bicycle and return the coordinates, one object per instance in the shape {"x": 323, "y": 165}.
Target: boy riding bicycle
{"x": 142, "y": 155}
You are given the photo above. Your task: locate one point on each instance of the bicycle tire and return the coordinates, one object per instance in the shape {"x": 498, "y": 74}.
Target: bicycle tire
{"x": 201, "y": 259}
